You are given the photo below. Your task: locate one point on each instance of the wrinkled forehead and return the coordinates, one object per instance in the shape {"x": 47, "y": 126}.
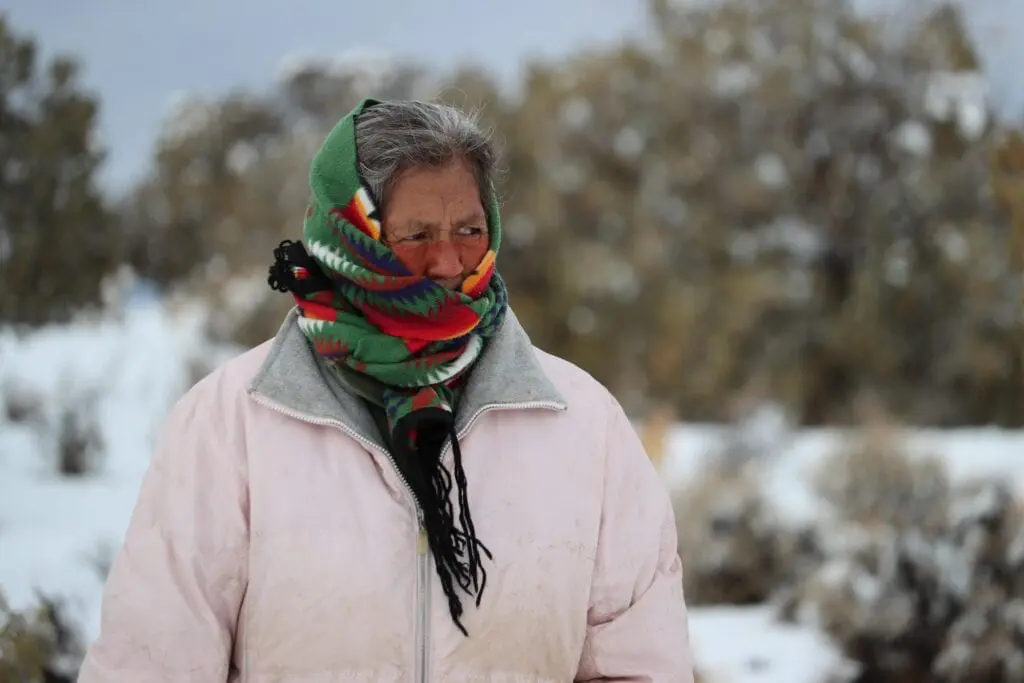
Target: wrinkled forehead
{"x": 434, "y": 199}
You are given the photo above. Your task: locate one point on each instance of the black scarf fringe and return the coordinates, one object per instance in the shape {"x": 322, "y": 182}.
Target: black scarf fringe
{"x": 458, "y": 553}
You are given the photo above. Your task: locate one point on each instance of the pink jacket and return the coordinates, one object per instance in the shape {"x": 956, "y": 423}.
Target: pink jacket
{"x": 274, "y": 542}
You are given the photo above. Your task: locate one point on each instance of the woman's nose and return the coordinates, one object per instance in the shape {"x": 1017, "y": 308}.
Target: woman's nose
{"x": 442, "y": 260}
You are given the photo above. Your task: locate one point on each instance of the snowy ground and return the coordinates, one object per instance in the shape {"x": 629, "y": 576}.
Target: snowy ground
{"x": 54, "y": 530}
{"x": 747, "y": 645}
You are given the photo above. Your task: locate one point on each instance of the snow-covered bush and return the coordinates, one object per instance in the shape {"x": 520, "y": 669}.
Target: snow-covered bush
{"x": 873, "y": 481}
{"x": 735, "y": 549}
{"x": 66, "y": 427}
{"x": 926, "y": 586}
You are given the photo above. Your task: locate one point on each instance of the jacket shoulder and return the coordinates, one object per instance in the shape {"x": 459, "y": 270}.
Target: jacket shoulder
{"x": 573, "y": 382}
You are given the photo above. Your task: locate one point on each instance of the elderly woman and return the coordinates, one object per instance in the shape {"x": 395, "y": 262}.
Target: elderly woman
{"x": 398, "y": 486}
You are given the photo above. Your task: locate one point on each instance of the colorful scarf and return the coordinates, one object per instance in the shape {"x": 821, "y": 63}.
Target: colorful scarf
{"x": 413, "y": 335}
{"x": 361, "y": 308}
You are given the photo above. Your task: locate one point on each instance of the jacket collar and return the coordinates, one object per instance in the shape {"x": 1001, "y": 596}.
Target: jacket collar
{"x": 507, "y": 375}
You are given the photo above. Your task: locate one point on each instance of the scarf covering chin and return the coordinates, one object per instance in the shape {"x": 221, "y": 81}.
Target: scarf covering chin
{"x": 361, "y": 308}
{"x": 415, "y": 336}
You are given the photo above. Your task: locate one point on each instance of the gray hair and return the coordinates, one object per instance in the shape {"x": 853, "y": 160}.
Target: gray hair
{"x": 396, "y": 135}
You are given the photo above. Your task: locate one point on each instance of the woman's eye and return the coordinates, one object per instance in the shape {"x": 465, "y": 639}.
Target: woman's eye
{"x": 470, "y": 232}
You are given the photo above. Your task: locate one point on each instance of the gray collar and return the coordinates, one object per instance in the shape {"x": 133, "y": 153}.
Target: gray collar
{"x": 507, "y": 375}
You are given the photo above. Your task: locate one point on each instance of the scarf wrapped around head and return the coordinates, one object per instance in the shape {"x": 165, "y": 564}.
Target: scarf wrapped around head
{"x": 363, "y": 309}
{"x": 414, "y": 335}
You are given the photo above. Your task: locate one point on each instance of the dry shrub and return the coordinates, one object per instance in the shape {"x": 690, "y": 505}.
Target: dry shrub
{"x": 68, "y": 424}
{"x": 80, "y": 443}
{"x": 873, "y": 481}
{"x": 928, "y": 587}
{"x": 734, "y": 548}
{"x": 986, "y": 641}
{"x": 37, "y": 646}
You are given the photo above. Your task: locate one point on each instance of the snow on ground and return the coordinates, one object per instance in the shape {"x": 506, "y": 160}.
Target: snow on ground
{"x": 53, "y": 530}
{"x": 746, "y": 645}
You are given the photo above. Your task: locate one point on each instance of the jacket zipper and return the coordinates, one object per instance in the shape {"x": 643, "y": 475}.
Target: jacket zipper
{"x": 423, "y": 607}
{"x": 422, "y": 554}
{"x": 422, "y": 663}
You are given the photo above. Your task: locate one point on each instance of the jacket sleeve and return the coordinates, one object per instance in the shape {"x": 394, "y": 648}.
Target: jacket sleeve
{"x": 637, "y": 624}
{"x": 171, "y": 601}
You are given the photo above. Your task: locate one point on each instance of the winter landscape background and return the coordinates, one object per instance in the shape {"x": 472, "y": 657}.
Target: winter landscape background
{"x": 788, "y": 234}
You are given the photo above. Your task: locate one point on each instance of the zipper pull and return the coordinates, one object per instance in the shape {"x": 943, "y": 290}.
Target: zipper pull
{"x": 422, "y": 545}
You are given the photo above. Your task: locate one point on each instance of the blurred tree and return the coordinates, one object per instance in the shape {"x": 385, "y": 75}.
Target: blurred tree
{"x": 229, "y": 175}
{"x": 1008, "y": 189}
{"x": 201, "y": 205}
{"x": 776, "y": 198}
{"x": 57, "y": 239}
{"x": 776, "y": 194}
{"x": 229, "y": 181}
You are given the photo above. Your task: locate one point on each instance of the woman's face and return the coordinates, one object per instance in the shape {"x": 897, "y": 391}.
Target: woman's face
{"x": 435, "y": 224}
